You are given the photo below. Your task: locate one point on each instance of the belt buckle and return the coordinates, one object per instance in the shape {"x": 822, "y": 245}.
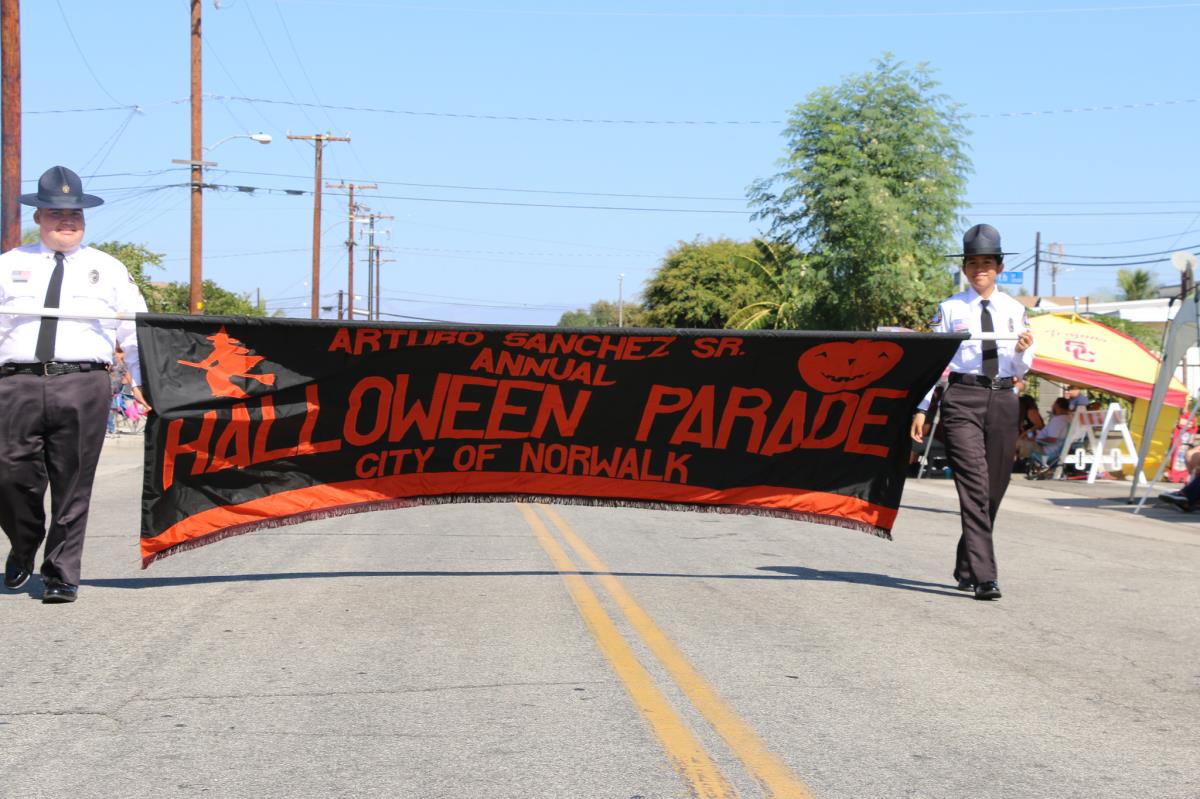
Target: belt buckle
{"x": 46, "y": 368}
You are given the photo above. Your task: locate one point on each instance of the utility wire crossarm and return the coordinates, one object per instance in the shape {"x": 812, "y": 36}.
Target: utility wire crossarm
{"x": 319, "y": 140}
{"x": 350, "y": 239}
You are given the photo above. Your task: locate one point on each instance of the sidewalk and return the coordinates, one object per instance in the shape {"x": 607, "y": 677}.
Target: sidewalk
{"x": 1104, "y": 503}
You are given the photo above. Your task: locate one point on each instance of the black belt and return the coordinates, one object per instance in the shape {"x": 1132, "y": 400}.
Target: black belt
{"x": 994, "y": 383}
{"x": 50, "y": 368}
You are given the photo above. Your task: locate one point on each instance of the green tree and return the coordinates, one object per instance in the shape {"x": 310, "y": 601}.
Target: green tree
{"x": 1150, "y": 337}
{"x": 870, "y": 186}
{"x": 700, "y": 284}
{"x": 1136, "y": 284}
{"x": 603, "y": 313}
{"x": 783, "y": 289}
{"x": 136, "y": 258}
{"x": 174, "y": 297}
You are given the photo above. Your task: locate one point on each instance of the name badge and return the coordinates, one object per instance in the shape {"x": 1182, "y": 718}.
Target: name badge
{"x": 20, "y": 277}
{"x": 958, "y": 326}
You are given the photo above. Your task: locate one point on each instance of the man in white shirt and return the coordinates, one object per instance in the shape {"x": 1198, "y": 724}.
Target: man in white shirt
{"x": 979, "y": 408}
{"x": 1056, "y": 428}
{"x": 54, "y": 383}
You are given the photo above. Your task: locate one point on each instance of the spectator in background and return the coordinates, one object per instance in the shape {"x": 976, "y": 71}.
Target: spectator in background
{"x": 1076, "y": 398}
{"x": 1186, "y": 499}
{"x": 1049, "y": 441}
{"x": 123, "y": 389}
{"x": 1029, "y": 424}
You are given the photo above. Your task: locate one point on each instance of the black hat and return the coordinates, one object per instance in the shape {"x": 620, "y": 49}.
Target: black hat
{"x": 59, "y": 187}
{"x": 981, "y": 240}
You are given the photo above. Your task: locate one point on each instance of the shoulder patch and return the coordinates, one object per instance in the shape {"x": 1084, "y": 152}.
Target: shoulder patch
{"x": 937, "y": 317}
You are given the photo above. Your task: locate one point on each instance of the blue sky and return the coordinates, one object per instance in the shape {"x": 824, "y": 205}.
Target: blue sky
{"x": 532, "y": 152}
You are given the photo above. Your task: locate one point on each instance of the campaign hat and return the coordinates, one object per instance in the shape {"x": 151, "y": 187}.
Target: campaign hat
{"x": 981, "y": 240}
{"x": 59, "y": 187}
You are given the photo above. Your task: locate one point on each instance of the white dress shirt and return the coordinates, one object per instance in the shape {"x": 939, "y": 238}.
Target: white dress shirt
{"x": 961, "y": 314}
{"x": 93, "y": 282}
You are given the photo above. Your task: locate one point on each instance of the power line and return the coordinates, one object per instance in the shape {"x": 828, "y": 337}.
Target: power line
{"x": 1083, "y": 202}
{"x": 1131, "y": 241}
{"x": 278, "y": 71}
{"x": 82, "y": 57}
{"x": 110, "y": 143}
{"x": 85, "y": 110}
{"x": 1134, "y": 255}
{"x": 850, "y": 15}
{"x": 252, "y": 189}
{"x": 525, "y": 306}
{"x": 1190, "y": 212}
{"x": 1110, "y": 266}
{"x": 590, "y": 120}
{"x": 678, "y": 122}
{"x": 520, "y": 190}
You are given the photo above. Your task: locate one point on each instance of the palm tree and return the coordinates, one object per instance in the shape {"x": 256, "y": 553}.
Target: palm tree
{"x": 777, "y": 273}
{"x": 1136, "y": 284}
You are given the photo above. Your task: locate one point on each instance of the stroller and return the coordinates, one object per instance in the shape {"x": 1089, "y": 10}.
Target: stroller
{"x": 1050, "y": 463}
{"x": 125, "y": 414}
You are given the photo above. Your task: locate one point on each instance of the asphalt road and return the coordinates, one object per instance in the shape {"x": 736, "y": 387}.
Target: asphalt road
{"x": 499, "y": 650}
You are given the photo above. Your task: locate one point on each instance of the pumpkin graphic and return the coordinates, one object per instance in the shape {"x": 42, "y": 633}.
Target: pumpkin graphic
{"x": 848, "y": 365}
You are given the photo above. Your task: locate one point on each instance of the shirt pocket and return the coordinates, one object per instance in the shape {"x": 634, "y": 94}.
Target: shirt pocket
{"x": 86, "y": 302}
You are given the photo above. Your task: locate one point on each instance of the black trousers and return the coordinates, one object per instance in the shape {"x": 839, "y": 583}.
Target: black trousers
{"x": 51, "y": 433}
{"x": 980, "y": 427}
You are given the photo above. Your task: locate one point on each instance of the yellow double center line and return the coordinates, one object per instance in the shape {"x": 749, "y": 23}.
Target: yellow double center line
{"x": 685, "y": 752}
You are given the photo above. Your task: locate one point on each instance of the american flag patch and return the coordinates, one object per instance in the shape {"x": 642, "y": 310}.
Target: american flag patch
{"x": 20, "y": 277}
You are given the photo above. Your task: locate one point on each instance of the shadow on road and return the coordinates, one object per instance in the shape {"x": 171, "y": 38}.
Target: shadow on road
{"x": 866, "y": 578}
{"x": 784, "y": 573}
{"x": 927, "y": 509}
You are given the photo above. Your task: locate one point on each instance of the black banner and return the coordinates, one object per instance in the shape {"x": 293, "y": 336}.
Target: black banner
{"x": 262, "y": 422}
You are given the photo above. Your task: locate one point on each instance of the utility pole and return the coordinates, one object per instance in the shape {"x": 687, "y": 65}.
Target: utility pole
{"x": 373, "y": 267}
{"x": 319, "y": 139}
{"x": 350, "y": 240}
{"x": 10, "y": 99}
{"x": 1055, "y": 253}
{"x": 341, "y": 305}
{"x": 621, "y": 300}
{"x": 1037, "y": 261}
{"x": 196, "y": 289}
{"x": 379, "y": 262}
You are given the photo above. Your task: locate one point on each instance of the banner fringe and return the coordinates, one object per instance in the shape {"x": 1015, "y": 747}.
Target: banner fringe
{"x": 549, "y": 499}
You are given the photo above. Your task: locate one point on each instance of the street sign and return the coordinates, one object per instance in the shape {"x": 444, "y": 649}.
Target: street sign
{"x": 1010, "y": 278}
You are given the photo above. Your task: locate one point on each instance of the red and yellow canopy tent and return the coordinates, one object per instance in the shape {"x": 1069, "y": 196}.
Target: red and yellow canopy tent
{"x": 1078, "y": 351}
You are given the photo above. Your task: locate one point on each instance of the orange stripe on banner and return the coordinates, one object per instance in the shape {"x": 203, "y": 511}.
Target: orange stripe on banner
{"x": 314, "y": 499}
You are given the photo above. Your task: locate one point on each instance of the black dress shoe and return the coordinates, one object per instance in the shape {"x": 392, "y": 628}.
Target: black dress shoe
{"x": 15, "y": 575}
{"x": 965, "y": 585}
{"x": 988, "y": 590}
{"x": 1176, "y": 500}
{"x": 57, "y": 593}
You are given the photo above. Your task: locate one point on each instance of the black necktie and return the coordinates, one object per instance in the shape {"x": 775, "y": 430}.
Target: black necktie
{"x": 44, "y": 351}
{"x": 991, "y": 363}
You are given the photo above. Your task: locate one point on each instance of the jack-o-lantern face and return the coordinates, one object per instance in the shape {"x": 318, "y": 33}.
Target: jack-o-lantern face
{"x": 848, "y": 365}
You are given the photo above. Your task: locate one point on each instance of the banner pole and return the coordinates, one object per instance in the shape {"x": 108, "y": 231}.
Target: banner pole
{"x": 61, "y": 314}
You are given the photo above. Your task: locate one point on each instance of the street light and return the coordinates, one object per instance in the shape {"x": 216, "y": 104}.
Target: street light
{"x": 196, "y": 290}
{"x": 261, "y": 138}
